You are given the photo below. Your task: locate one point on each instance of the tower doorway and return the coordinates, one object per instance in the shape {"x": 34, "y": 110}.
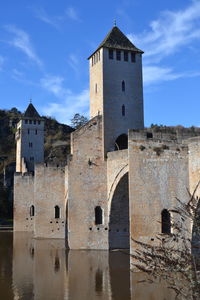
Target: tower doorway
{"x": 121, "y": 142}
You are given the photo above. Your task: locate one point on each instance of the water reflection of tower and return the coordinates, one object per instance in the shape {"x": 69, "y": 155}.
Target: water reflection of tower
{"x": 89, "y": 276}
{"x": 39, "y": 268}
{"x": 23, "y": 266}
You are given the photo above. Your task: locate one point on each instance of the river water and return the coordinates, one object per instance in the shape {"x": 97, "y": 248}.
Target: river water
{"x": 45, "y": 270}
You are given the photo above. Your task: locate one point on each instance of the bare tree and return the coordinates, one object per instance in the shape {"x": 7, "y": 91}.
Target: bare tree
{"x": 174, "y": 257}
{"x": 78, "y": 120}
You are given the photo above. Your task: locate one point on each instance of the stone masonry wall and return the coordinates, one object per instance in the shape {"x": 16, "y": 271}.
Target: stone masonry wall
{"x": 49, "y": 191}
{"x": 158, "y": 172}
{"x": 87, "y": 188}
{"x": 23, "y": 199}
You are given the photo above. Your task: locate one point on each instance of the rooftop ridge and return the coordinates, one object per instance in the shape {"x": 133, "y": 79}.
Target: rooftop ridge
{"x": 31, "y": 112}
{"x": 116, "y": 39}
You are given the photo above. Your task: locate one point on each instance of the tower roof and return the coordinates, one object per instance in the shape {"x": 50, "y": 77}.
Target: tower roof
{"x": 116, "y": 39}
{"x": 31, "y": 112}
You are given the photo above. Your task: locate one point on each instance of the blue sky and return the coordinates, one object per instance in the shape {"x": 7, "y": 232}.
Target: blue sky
{"x": 44, "y": 45}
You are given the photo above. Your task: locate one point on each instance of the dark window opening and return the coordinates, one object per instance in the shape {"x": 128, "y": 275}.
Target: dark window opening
{"x": 123, "y": 86}
{"x": 32, "y": 211}
{"x": 99, "y": 55}
{"x": 57, "y": 212}
{"x": 149, "y": 135}
{"x": 123, "y": 110}
{"x": 118, "y": 55}
{"x": 125, "y": 55}
{"x": 30, "y": 121}
{"x": 35, "y": 131}
{"x": 98, "y": 215}
{"x": 110, "y": 54}
{"x": 30, "y": 145}
{"x": 31, "y": 158}
{"x": 132, "y": 57}
{"x": 28, "y": 131}
{"x": 96, "y": 88}
{"x": 165, "y": 221}
{"x": 121, "y": 142}
{"x": 38, "y": 122}
{"x": 34, "y": 122}
{"x": 26, "y": 121}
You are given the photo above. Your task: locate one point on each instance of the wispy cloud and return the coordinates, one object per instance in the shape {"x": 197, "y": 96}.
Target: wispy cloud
{"x": 21, "y": 40}
{"x": 42, "y": 15}
{"x": 74, "y": 63}
{"x": 156, "y": 74}
{"x": 57, "y": 20}
{"x": 69, "y": 103}
{"x": 172, "y": 31}
{"x": 22, "y": 78}
{"x": 72, "y": 13}
{"x": 2, "y": 60}
{"x": 54, "y": 84}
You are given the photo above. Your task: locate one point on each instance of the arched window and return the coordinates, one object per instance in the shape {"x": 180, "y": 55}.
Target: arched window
{"x": 32, "y": 211}
{"x": 166, "y": 221}
{"x": 98, "y": 215}
{"x": 121, "y": 142}
{"x": 123, "y": 110}
{"x": 57, "y": 212}
{"x": 96, "y": 88}
{"x": 123, "y": 86}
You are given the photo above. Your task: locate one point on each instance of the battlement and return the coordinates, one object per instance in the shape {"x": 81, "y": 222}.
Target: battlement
{"x": 167, "y": 134}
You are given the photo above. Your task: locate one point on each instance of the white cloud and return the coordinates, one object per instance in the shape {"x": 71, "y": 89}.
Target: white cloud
{"x": 2, "y": 60}
{"x": 69, "y": 102}
{"x": 170, "y": 32}
{"x": 72, "y": 13}
{"x": 54, "y": 84}
{"x": 21, "y": 40}
{"x": 155, "y": 74}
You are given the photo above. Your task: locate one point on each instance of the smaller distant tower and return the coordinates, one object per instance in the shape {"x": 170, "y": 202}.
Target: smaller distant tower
{"x": 29, "y": 140}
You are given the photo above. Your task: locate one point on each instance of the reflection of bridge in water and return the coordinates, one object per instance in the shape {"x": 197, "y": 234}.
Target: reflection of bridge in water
{"x": 44, "y": 270}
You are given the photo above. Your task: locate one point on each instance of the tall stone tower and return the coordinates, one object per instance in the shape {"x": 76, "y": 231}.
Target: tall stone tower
{"x": 116, "y": 88}
{"x": 29, "y": 140}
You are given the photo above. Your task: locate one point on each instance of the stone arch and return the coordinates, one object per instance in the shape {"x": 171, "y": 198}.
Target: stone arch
{"x": 119, "y": 233}
{"x": 121, "y": 142}
{"x": 116, "y": 180}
